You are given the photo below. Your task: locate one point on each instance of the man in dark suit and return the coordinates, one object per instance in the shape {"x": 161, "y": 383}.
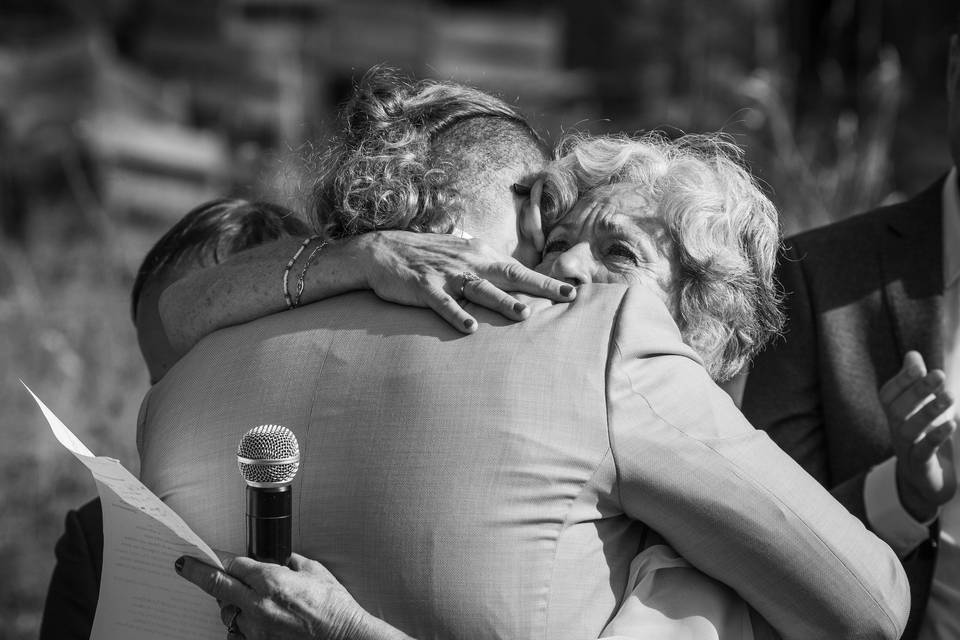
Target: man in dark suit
{"x": 860, "y": 389}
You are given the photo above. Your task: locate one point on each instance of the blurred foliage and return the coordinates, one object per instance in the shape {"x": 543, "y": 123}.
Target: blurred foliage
{"x": 117, "y": 116}
{"x": 65, "y": 331}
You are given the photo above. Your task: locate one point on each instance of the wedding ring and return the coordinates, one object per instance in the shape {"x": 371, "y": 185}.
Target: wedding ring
{"x": 232, "y": 628}
{"x": 466, "y": 277}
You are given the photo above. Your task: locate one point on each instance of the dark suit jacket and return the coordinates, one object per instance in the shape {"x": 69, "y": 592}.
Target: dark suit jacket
{"x": 72, "y": 596}
{"x": 860, "y": 294}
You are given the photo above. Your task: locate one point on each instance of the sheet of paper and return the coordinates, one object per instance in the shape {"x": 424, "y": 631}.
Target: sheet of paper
{"x": 141, "y": 596}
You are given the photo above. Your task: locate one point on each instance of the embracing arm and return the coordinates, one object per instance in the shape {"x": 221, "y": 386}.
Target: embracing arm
{"x": 249, "y": 286}
{"x": 417, "y": 269}
{"x": 732, "y": 502}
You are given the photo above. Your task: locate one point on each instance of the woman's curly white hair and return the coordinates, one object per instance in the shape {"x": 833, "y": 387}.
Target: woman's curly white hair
{"x": 723, "y": 228}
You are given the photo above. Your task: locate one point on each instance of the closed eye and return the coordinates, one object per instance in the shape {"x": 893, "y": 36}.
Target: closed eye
{"x": 622, "y": 251}
{"x": 556, "y": 246}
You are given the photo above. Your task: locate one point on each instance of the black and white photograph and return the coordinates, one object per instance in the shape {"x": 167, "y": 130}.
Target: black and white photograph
{"x": 479, "y": 320}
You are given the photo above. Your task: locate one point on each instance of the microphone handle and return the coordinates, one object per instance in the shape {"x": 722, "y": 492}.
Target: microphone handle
{"x": 269, "y": 524}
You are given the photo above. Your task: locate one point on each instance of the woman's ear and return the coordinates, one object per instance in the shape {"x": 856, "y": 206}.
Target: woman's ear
{"x": 531, "y": 224}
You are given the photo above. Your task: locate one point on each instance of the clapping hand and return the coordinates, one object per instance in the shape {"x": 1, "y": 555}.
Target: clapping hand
{"x": 913, "y": 400}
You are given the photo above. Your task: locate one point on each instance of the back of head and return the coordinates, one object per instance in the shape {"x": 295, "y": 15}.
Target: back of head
{"x": 207, "y": 235}
{"x": 411, "y": 152}
{"x": 212, "y": 232}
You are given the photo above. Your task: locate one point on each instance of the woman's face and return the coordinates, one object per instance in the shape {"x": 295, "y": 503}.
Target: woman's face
{"x": 612, "y": 235}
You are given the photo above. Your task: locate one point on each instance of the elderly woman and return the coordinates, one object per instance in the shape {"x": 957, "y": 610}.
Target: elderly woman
{"x": 680, "y": 217}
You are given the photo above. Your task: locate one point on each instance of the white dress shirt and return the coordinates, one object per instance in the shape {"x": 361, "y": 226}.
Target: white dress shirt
{"x": 884, "y": 511}
{"x": 669, "y": 598}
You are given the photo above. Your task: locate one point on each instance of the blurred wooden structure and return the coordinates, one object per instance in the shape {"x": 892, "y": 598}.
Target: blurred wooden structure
{"x": 153, "y": 105}
{"x": 198, "y": 92}
{"x": 78, "y": 118}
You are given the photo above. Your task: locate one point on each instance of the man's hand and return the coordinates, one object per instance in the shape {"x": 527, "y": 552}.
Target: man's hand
{"x": 913, "y": 400}
{"x": 301, "y": 601}
{"x": 426, "y": 270}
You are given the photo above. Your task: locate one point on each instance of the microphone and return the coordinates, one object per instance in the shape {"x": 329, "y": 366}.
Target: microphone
{"x": 268, "y": 458}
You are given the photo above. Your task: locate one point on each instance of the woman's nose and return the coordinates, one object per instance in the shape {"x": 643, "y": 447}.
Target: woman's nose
{"x": 575, "y": 265}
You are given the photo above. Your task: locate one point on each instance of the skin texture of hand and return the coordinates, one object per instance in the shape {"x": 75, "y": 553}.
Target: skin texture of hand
{"x": 409, "y": 268}
{"x": 426, "y": 270}
{"x": 913, "y": 400}
{"x": 302, "y": 601}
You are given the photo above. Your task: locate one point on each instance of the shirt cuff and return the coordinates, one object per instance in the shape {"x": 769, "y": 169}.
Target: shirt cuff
{"x": 886, "y": 515}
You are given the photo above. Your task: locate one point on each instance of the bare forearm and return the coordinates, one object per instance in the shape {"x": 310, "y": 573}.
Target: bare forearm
{"x": 373, "y": 628}
{"x": 250, "y": 286}
{"x": 418, "y": 269}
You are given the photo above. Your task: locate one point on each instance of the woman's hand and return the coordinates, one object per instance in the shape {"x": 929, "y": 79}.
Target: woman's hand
{"x": 428, "y": 270}
{"x": 302, "y": 601}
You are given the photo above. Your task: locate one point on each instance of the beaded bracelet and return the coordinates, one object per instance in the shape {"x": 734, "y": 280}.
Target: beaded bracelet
{"x": 286, "y": 273}
{"x": 303, "y": 272}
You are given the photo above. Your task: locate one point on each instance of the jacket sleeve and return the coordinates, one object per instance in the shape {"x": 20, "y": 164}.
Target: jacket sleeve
{"x": 730, "y": 500}
{"x": 75, "y": 585}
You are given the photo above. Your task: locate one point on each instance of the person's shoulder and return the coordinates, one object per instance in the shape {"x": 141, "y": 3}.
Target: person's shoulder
{"x": 598, "y": 298}
{"x": 588, "y": 319}
{"x": 644, "y": 327}
{"x": 860, "y": 232}
{"x": 289, "y": 328}
{"x": 91, "y": 513}
{"x": 83, "y": 532}
{"x": 839, "y": 239}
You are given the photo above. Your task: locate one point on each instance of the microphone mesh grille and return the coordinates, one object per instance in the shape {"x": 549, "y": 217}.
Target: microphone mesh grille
{"x": 264, "y": 445}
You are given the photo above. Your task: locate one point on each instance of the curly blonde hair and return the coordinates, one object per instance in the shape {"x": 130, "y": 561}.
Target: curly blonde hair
{"x": 724, "y": 230}
{"x": 386, "y": 171}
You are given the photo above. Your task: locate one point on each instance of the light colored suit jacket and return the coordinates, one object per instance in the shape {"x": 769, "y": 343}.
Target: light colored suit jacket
{"x": 494, "y": 485}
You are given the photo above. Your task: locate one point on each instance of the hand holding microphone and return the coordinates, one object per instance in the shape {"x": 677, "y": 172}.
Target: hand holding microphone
{"x": 259, "y": 599}
{"x": 268, "y": 458}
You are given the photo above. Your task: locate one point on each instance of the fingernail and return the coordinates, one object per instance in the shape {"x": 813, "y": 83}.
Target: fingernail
{"x": 519, "y": 307}
{"x": 566, "y": 290}
{"x": 178, "y": 565}
{"x": 469, "y": 322}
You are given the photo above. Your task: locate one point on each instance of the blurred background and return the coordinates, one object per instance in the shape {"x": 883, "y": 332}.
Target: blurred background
{"x": 117, "y": 116}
